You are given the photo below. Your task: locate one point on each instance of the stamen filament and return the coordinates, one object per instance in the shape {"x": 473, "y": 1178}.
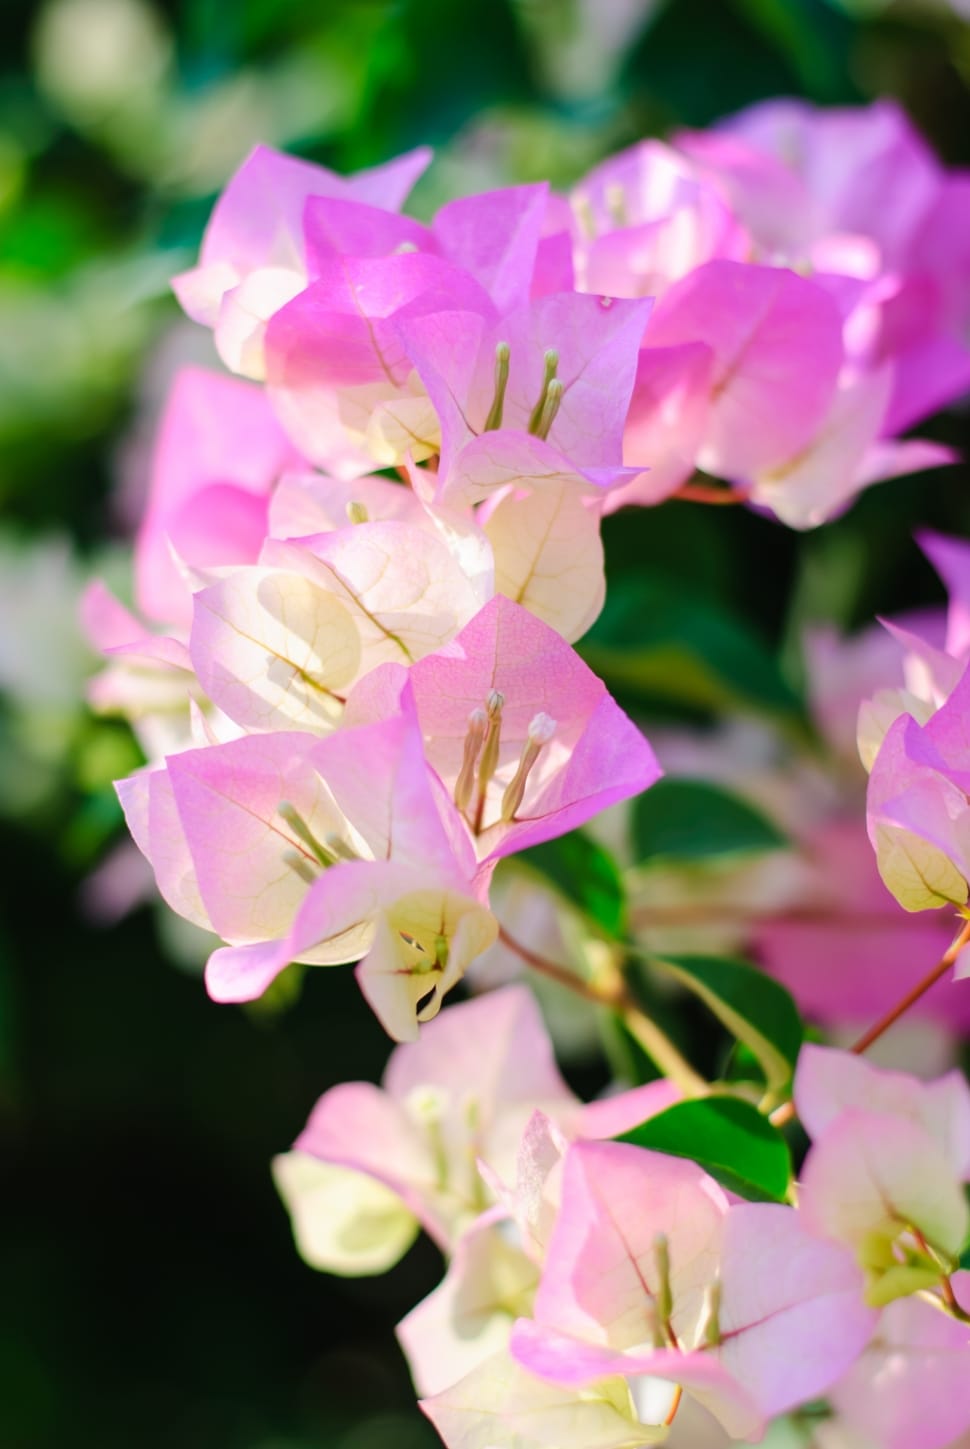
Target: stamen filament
{"x": 583, "y": 212}
{"x": 300, "y": 865}
{"x": 550, "y": 362}
{"x": 616, "y": 204}
{"x": 503, "y": 354}
{"x": 678, "y": 1395}
{"x": 490, "y": 752}
{"x": 302, "y": 831}
{"x": 474, "y": 739}
{"x": 541, "y": 731}
{"x": 663, "y": 1295}
{"x": 550, "y": 408}
{"x": 712, "y": 1314}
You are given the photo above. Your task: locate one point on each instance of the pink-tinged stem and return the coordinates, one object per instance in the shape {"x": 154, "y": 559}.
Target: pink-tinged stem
{"x": 939, "y": 971}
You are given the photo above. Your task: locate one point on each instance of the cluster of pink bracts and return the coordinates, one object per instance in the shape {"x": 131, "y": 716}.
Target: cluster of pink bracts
{"x": 368, "y": 574}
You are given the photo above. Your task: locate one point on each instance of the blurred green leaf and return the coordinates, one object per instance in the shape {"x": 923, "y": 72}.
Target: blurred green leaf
{"x": 655, "y": 640}
{"x": 586, "y": 874}
{"x": 680, "y": 819}
{"x": 728, "y": 1138}
{"x": 753, "y": 1007}
{"x": 813, "y": 43}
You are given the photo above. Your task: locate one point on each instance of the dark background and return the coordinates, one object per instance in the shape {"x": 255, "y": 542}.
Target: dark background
{"x": 151, "y": 1296}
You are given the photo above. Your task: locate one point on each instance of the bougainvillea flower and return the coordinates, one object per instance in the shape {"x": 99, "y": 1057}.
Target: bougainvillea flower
{"x": 148, "y": 679}
{"x": 218, "y": 453}
{"x": 490, "y": 1283}
{"x": 493, "y": 236}
{"x": 843, "y": 671}
{"x": 845, "y": 456}
{"x": 500, "y": 1405}
{"x": 549, "y": 556}
{"x": 951, "y": 559}
{"x": 910, "y": 1385}
{"x": 253, "y": 256}
{"x": 886, "y": 1169}
{"x": 941, "y": 246}
{"x": 918, "y": 816}
{"x": 492, "y": 1277}
{"x": 325, "y": 851}
{"x": 651, "y": 1275}
{"x": 880, "y": 1183}
{"x": 427, "y": 926}
{"x": 644, "y": 219}
{"x": 308, "y": 503}
{"x": 561, "y": 368}
{"x": 777, "y": 344}
{"x": 507, "y": 458}
{"x": 338, "y": 373}
{"x": 441, "y": 1110}
{"x": 279, "y": 645}
{"x": 899, "y": 320}
{"x": 764, "y": 195}
{"x": 390, "y": 889}
{"x": 666, "y": 421}
{"x": 209, "y": 823}
{"x": 829, "y": 1082}
{"x": 863, "y": 171}
{"x": 524, "y": 736}
{"x": 532, "y": 1199}
{"x": 933, "y": 656}
{"x": 644, "y": 183}
{"x": 541, "y": 519}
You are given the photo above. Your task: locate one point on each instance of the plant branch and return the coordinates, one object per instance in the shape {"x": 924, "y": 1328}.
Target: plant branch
{"x": 615, "y": 995}
{"x": 939, "y": 971}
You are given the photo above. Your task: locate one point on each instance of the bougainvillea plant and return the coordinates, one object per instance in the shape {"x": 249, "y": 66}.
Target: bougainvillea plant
{"x": 370, "y": 549}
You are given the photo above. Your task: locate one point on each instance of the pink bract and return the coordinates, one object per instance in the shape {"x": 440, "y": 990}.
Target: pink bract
{"x": 595, "y": 756}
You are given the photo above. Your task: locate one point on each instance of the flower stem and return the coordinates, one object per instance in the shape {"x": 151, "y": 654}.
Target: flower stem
{"x": 939, "y": 971}
{"x": 615, "y": 996}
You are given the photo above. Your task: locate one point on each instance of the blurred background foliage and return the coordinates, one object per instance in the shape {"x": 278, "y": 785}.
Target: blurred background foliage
{"x": 152, "y": 1297}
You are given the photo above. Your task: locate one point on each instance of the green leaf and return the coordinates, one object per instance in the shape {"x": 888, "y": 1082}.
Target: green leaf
{"x": 728, "y": 1138}
{"x": 656, "y": 641}
{"x": 586, "y": 874}
{"x": 754, "y": 1007}
{"x": 692, "y": 820}
{"x": 811, "y": 43}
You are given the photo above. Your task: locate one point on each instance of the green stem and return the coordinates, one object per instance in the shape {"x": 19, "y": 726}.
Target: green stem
{"x": 615, "y": 996}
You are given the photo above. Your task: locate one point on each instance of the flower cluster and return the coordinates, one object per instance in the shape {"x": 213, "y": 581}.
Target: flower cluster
{"x": 363, "y": 566}
{"x": 590, "y": 1282}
